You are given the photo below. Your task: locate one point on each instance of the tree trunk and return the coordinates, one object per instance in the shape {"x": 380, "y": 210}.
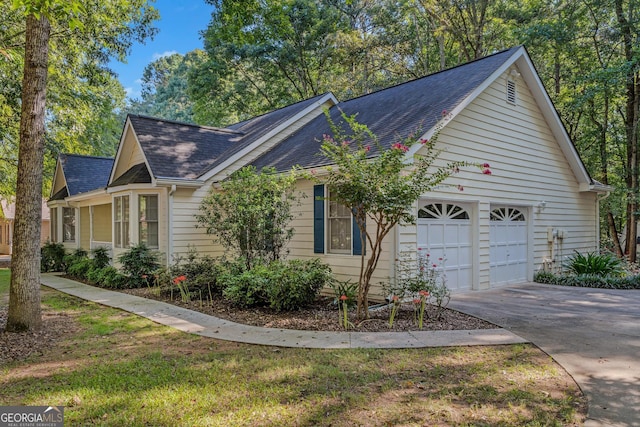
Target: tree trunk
{"x": 24, "y": 294}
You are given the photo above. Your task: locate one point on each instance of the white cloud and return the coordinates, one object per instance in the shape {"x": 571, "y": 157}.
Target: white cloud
{"x": 132, "y": 93}
{"x": 157, "y": 56}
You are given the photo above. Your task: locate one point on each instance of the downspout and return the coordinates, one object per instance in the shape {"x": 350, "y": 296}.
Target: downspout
{"x": 599, "y": 198}
{"x": 170, "y": 225}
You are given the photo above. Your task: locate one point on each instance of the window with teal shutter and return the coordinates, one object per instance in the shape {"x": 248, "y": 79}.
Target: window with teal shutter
{"x": 318, "y": 219}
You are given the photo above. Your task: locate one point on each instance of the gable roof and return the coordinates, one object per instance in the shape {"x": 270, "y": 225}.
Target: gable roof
{"x": 82, "y": 174}
{"x": 8, "y": 209}
{"x": 180, "y": 150}
{"x": 390, "y": 113}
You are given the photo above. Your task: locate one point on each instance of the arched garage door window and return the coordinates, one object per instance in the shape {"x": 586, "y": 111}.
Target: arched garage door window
{"x": 444, "y": 230}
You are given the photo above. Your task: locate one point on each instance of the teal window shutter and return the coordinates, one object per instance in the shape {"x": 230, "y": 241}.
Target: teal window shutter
{"x": 355, "y": 238}
{"x": 318, "y": 219}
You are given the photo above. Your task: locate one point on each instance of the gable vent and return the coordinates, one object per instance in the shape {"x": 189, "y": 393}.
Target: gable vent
{"x": 511, "y": 92}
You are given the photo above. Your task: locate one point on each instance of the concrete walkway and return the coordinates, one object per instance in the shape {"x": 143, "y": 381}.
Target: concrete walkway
{"x": 213, "y": 327}
{"x": 593, "y": 333}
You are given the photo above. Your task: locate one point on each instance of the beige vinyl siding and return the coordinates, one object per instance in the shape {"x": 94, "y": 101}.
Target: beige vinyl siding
{"x": 102, "y": 223}
{"x": 130, "y": 154}
{"x": 528, "y": 167}
{"x": 59, "y": 182}
{"x": 84, "y": 229}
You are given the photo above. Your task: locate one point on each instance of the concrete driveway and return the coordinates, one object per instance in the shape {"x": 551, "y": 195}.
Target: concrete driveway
{"x": 593, "y": 333}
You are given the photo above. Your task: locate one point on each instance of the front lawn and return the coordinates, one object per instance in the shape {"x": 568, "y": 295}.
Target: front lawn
{"x": 109, "y": 367}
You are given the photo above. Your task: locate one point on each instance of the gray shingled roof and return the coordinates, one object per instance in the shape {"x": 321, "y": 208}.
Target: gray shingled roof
{"x": 186, "y": 151}
{"x": 84, "y": 173}
{"x": 390, "y": 113}
{"x": 180, "y": 150}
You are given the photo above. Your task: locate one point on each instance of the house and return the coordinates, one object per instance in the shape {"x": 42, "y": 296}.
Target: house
{"x": 7, "y": 217}
{"x": 539, "y": 204}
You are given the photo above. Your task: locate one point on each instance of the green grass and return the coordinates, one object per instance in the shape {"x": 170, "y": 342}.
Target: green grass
{"x": 5, "y": 277}
{"x": 113, "y": 368}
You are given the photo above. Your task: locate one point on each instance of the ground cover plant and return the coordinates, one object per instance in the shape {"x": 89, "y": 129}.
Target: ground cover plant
{"x": 109, "y": 368}
{"x": 593, "y": 270}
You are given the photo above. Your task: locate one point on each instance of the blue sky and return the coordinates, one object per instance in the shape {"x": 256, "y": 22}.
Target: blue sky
{"x": 179, "y": 26}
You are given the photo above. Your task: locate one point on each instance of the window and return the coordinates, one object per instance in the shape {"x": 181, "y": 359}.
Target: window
{"x": 342, "y": 233}
{"x": 68, "y": 225}
{"x": 339, "y": 225}
{"x": 54, "y": 225}
{"x": 148, "y": 220}
{"x": 121, "y": 221}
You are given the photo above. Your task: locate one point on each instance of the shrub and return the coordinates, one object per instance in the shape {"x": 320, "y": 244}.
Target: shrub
{"x": 296, "y": 283}
{"x": 101, "y": 257}
{"x": 79, "y": 268}
{"x": 589, "y": 280}
{"x": 201, "y": 271}
{"x": 592, "y": 263}
{"x": 281, "y": 285}
{"x": 73, "y": 258}
{"x": 138, "y": 263}
{"x": 108, "y": 277}
{"x": 52, "y": 257}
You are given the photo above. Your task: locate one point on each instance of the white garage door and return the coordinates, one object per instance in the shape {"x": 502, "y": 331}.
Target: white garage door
{"x": 508, "y": 253}
{"x": 444, "y": 230}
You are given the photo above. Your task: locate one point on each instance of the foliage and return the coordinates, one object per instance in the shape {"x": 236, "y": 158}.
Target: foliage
{"x": 201, "y": 271}
{"x": 378, "y": 185}
{"x": 138, "y": 263}
{"x": 52, "y": 257}
{"x": 108, "y": 277}
{"x": 281, "y": 285}
{"x": 588, "y": 280}
{"x": 101, "y": 257}
{"x": 593, "y": 263}
{"x": 74, "y": 257}
{"x": 346, "y": 288}
{"x": 249, "y": 216}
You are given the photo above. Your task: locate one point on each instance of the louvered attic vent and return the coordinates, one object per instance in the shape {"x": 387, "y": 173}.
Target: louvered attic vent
{"x": 511, "y": 92}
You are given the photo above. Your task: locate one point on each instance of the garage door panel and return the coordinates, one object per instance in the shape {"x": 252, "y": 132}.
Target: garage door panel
{"x": 444, "y": 230}
{"x": 508, "y": 246}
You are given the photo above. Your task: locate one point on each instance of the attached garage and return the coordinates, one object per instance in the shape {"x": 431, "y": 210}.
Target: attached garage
{"x": 445, "y": 231}
{"x": 508, "y": 245}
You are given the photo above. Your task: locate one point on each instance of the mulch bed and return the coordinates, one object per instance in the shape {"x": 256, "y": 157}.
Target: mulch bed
{"x": 323, "y": 315}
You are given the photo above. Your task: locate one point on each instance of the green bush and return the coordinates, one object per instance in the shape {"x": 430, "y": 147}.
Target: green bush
{"x": 79, "y": 268}
{"x": 201, "y": 272}
{"x": 281, "y": 285}
{"x": 52, "y": 257}
{"x": 74, "y": 257}
{"x": 588, "y": 280}
{"x": 592, "y": 263}
{"x": 107, "y": 277}
{"x": 101, "y": 257}
{"x": 296, "y": 283}
{"x": 139, "y": 263}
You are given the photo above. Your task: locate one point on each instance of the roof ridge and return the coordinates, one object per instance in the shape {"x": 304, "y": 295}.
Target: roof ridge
{"x": 282, "y": 108}
{"x": 87, "y": 156}
{"x": 514, "y": 48}
{"x": 176, "y": 122}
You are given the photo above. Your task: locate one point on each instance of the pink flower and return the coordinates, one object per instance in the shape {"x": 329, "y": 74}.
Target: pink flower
{"x": 367, "y": 148}
{"x": 439, "y": 259}
{"x": 344, "y": 298}
{"x": 460, "y": 187}
{"x": 395, "y": 298}
{"x": 486, "y": 165}
{"x": 435, "y": 265}
{"x": 444, "y": 112}
{"x": 424, "y": 141}
{"x": 400, "y": 146}
{"x": 345, "y": 143}
{"x": 424, "y": 293}
{"x": 486, "y": 171}
{"x": 417, "y": 301}
{"x": 419, "y": 249}
{"x": 179, "y": 279}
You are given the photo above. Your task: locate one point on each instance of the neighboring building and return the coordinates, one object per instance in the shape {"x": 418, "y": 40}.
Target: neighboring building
{"x": 7, "y": 217}
{"x": 539, "y": 203}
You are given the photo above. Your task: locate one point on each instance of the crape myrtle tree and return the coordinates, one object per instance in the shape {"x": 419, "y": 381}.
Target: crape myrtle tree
{"x": 249, "y": 215}
{"x": 380, "y": 185}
